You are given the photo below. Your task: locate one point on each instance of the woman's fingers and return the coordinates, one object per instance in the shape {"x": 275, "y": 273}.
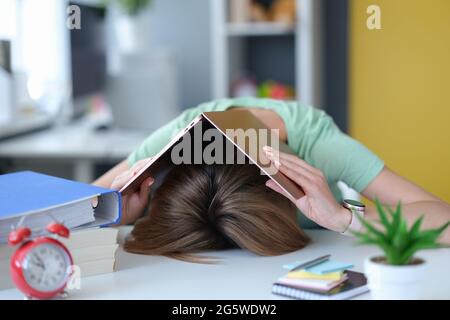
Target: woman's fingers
{"x": 289, "y": 158}
{"x": 306, "y": 176}
{"x": 119, "y": 181}
{"x": 310, "y": 183}
{"x": 275, "y": 154}
{"x": 290, "y": 169}
{"x": 272, "y": 185}
{"x": 296, "y": 168}
{"x": 145, "y": 189}
{"x": 139, "y": 165}
{"x": 123, "y": 178}
{"x": 295, "y": 175}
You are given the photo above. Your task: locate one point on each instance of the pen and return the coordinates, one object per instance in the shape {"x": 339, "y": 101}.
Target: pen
{"x": 311, "y": 263}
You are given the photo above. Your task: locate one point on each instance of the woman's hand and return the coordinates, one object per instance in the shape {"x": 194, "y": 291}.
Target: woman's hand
{"x": 318, "y": 204}
{"x": 133, "y": 205}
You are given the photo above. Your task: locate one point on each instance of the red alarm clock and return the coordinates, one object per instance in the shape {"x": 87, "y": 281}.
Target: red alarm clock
{"x": 40, "y": 267}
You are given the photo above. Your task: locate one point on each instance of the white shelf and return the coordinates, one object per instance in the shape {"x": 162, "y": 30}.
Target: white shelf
{"x": 259, "y": 29}
{"x": 228, "y": 47}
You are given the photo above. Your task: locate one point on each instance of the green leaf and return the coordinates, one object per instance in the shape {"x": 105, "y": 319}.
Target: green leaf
{"x": 428, "y": 235}
{"x": 370, "y": 228}
{"x": 396, "y": 219}
{"x": 415, "y": 229}
{"x": 383, "y": 217}
{"x": 393, "y": 257}
{"x": 433, "y": 234}
{"x": 131, "y": 7}
{"x": 397, "y": 242}
{"x": 409, "y": 253}
{"x": 443, "y": 227}
{"x": 367, "y": 239}
{"x": 401, "y": 239}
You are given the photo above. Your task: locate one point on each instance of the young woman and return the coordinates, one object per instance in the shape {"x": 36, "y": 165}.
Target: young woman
{"x": 325, "y": 156}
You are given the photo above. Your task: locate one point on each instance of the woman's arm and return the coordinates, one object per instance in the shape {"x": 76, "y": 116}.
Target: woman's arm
{"x": 107, "y": 179}
{"x": 319, "y": 204}
{"x": 390, "y": 188}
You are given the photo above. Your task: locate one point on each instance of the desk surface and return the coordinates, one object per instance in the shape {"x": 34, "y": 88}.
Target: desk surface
{"x": 77, "y": 140}
{"x": 240, "y": 275}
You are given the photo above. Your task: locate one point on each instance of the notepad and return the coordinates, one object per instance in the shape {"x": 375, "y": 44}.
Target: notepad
{"x": 355, "y": 285}
{"x": 329, "y": 266}
{"x": 294, "y": 264}
{"x": 312, "y": 284}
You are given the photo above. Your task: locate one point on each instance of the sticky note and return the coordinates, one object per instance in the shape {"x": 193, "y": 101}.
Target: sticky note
{"x": 294, "y": 264}
{"x": 329, "y": 266}
{"x": 302, "y": 274}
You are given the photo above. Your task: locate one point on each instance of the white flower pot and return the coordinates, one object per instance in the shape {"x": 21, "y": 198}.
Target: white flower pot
{"x": 129, "y": 33}
{"x": 388, "y": 282}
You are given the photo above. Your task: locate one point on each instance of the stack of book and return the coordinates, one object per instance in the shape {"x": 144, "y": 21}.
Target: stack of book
{"x": 93, "y": 251}
{"x": 33, "y": 200}
{"x": 326, "y": 280}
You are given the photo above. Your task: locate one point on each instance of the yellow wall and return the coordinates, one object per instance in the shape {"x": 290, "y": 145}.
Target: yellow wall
{"x": 400, "y": 88}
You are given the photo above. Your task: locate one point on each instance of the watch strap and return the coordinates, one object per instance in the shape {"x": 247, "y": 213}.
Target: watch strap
{"x": 355, "y": 223}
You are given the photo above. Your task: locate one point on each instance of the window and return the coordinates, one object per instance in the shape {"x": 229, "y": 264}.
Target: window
{"x": 7, "y": 19}
{"x": 38, "y": 34}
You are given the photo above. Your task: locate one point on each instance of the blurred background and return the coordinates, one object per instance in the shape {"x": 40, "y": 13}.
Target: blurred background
{"x": 82, "y": 83}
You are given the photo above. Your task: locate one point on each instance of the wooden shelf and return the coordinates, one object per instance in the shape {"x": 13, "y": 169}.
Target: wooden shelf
{"x": 259, "y": 29}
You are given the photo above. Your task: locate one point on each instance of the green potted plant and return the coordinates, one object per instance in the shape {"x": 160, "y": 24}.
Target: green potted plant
{"x": 133, "y": 7}
{"x": 398, "y": 273}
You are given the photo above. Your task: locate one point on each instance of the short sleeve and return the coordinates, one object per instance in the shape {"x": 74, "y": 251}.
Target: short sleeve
{"x": 342, "y": 158}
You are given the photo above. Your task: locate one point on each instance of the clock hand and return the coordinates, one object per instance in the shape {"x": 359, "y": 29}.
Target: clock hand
{"x": 39, "y": 262}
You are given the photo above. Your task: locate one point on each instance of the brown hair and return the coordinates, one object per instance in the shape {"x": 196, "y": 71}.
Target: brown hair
{"x": 212, "y": 207}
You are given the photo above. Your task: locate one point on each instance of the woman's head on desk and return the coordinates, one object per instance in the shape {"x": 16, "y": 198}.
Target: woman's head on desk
{"x": 214, "y": 207}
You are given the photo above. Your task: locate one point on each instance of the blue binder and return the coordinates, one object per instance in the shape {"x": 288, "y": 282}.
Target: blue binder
{"x": 42, "y": 198}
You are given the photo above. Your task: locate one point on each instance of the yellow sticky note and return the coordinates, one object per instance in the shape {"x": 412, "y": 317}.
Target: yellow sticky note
{"x": 302, "y": 274}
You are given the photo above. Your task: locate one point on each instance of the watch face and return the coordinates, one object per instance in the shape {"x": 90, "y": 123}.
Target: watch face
{"x": 46, "y": 267}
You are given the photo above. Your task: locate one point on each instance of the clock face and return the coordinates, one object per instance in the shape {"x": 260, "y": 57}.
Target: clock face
{"x": 46, "y": 267}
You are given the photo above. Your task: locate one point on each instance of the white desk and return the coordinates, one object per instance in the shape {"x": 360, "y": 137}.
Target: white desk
{"x": 77, "y": 144}
{"x": 240, "y": 275}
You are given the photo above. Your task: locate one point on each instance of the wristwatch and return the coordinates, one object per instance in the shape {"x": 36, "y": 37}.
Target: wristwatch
{"x": 356, "y": 208}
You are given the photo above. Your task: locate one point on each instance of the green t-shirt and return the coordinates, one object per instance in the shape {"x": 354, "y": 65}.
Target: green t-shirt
{"x": 311, "y": 133}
